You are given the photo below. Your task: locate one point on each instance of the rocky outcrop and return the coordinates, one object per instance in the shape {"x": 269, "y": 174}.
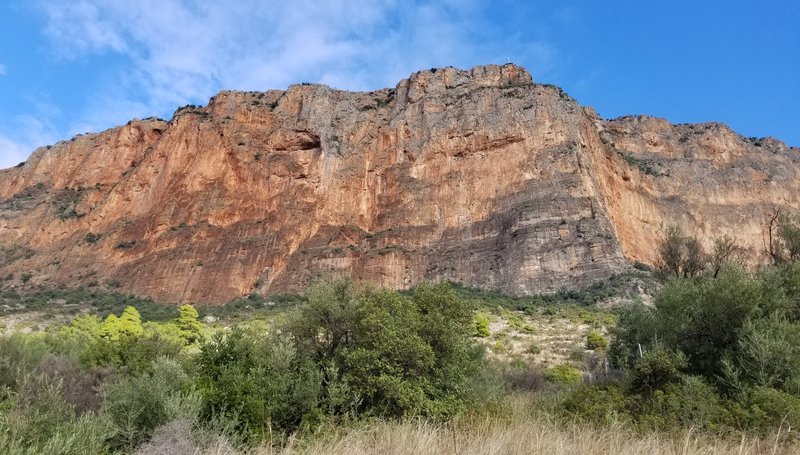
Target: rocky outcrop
{"x": 478, "y": 176}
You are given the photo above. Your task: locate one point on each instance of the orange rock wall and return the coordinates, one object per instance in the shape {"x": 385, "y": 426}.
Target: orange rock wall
{"x": 478, "y": 176}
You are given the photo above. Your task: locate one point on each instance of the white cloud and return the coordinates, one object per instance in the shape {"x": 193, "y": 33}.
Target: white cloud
{"x": 12, "y": 153}
{"x": 20, "y": 136}
{"x": 186, "y": 50}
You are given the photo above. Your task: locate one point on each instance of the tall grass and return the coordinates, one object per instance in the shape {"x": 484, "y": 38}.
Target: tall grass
{"x": 491, "y": 436}
{"x": 516, "y": 427}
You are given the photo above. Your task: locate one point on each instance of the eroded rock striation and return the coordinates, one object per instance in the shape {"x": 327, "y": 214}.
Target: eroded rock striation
{"x": 480, "y": 176}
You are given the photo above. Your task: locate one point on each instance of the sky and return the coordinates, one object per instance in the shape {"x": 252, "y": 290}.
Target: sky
{"x": 74, "y": 66}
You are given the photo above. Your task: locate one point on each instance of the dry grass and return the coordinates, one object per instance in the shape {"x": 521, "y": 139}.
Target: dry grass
{"x": 496, "y": 436}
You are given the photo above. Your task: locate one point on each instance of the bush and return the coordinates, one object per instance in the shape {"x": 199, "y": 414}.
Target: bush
{"x": 595, "y": 403}
{"x": 19, "y": 354}
{"x": 655, "y": 370}
{"x": 37, "y": 421}
{"x": 482, "y": 325}
{"x": 533, "y": 349}
{"x": 137, "y": 405}
{"x": 595, "y": 341}
{"x": 563, "y": 375}
{"x": 525, "y": 377}
{"x": 257, "y": 383}
{"x": 765, "y": 409}
{"x": 690, "y": 402}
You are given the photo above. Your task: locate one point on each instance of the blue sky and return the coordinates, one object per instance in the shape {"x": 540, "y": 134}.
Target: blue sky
{"x": 75, "y": 66}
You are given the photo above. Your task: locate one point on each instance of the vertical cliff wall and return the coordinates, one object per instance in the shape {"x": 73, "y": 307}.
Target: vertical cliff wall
{"x": 478, "y": 176}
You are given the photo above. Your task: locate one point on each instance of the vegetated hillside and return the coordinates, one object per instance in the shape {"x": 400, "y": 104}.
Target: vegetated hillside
{"x": 481, "y": 177}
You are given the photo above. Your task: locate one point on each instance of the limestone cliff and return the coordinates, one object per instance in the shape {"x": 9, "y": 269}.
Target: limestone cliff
{"x": 478, "y": 176}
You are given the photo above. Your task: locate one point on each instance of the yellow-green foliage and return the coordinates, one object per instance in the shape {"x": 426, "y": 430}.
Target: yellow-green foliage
{"x": 563, "y": 375}
{"x": 129, "y": 324}
{"x": 482, "y": 325}
{"x": 188, "y": 323}
{"x": 595, "y": 341}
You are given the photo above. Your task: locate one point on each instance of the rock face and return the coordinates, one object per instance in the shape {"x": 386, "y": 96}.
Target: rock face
{"x": 478, "y": 176}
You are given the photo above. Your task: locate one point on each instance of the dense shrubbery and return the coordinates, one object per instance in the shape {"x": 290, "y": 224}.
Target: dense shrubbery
{"x": 348, "y": 352}
{"x": 717, "y": 351}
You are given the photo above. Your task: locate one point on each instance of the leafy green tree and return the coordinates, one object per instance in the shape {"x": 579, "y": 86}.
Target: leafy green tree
{"x": 257, "y": 383}
{"x": 389, "y": 366}
{"x": 191, "y": 329}
{"x": 129, "y": 324}
{"x": 769, "y": 354}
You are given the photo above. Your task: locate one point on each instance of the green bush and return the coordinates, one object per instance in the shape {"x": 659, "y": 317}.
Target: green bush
{"x": 595, "y": 403}
{"x": 137, "y": 405}
{"x": 655, "y": 370}
{"x": 690, "y": 402}
{"x": 595, "y": 341}
{"x": 533, "y": 348}
{"x": 763, "y": 409}
{"x": 257, "y": 383}
{"x": 37, "y": 421}
{"x": 563, "y": 375}
{"x": 482, "y": 325}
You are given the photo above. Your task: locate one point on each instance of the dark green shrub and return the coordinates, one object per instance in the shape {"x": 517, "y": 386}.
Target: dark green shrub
{"x": 137, "y": 405}
{"x": 690, "y": 402}
{"x": 596, "y": 403}
{"x": 398, "y": 355}
{"x": 767, "y": 409}
{"x": 655, "y": 370}
{"x": 257, "y": 382}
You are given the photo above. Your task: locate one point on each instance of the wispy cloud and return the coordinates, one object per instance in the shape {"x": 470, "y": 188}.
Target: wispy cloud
{"x": 29, "y": 132}
{"x": 2, "y": 69}
{"x": 20, "y": 135}
{"x": 184, "y": 51}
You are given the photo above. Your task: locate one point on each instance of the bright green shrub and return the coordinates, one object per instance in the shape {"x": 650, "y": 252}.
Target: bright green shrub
{"x": 595, "y": 341}
{"x": 482, "y": 325}
{"x": 563, "y": 375}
